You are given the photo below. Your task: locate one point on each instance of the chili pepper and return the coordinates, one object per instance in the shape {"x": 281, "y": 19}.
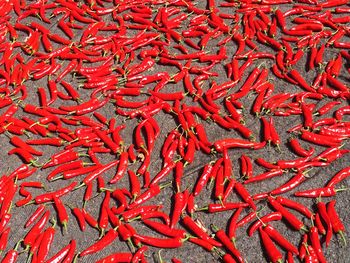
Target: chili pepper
{"x": 35, "y": 215}
{"x": 282, "y": 241}
{"x": 120, "y": 256}
{"x": 273, "y": 253}
{"x": 295, "y": 205}
{"x": 164, "y": 229}
{"x": 244, "y": 194}
{"x": 179, "y": 204}
{"x": 4, "y": 221}
{"x": 264, "y": 176}
{"x": 107, "y": 239}
{"x": 61, "y": 212}
{"x": 65, "y": 167}
{"x": 46, "y": 242}
{"x": 214, "y": 208}
{"x": 236, "y": 143}
{"x": 4, "y": 238}
{"x": 318, "y": 192}
{"x": 338, "y": 177}
{"x": 275, "y": 216}
{"x": 233, "y": 224}
{"x": 191, "y": 225}
{"x": 31, "y": 236}
{"x": 315, "y": 242}
{"x": 297, "y": 148}
{"x": 11, "y": 255}
{"x": 320, "y": 139}
{"x": 336, "y": 222}
{"x": 17, "y": 141}
{"x": 322, "y": 210}
{"x": 60, "y": 255}
{"x": 80, "y": 218}
{"x": 90, "y": 177}
{"x": 159, "y": 242}
{"x": 224, "y": 239}
{"x": 202, "y": 243}
{"x": 311, "y": 257}
{"x": 288, "y": 216}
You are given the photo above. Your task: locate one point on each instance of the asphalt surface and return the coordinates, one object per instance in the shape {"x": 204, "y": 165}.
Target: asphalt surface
{"x": 250, "y": 247}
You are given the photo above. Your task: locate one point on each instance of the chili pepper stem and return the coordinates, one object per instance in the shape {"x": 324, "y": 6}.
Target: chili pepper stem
{"x": 102, "y": 233}
{"x": 343, "y": 237}
{"x": 131, "y": 245}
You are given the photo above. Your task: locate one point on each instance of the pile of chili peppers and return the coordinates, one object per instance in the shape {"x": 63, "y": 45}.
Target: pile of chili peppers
{"x": 137, "y": 121}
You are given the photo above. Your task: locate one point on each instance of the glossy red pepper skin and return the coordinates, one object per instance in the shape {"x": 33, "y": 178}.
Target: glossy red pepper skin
{"x": 315, "y": 242}
{"x": 338, "y": 177}
{"x": 30, "y": 237}
{"x": 288, "y": 216}
{"x": 295, "y": 205}
{"x": 273, "y": 253}
{"x": 244, "y": 194}
{"x": 191, "y": 225}
{"x": 280, "y": 240}
{"x": 319, "y": 192}
{"x": 275, "y": 216}
{"x": 337, "y": 224}
{"x": 225, "y": 240}
{"x": 107, "y": 239}
{"x": 322, "y": 210}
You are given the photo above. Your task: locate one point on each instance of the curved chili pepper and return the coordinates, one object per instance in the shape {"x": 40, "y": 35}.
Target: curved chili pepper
{"x": 273, "y": 253}
{"x": 322, "y": 210}
{"x": 288, "y": 216}
{"x": 295, "y": 205}
{"x": 107, "y": 239}
{"x": 191, "y": 225}
{"x": 225, "y": 240}
{"x": 282, "y": 241}
{"x": 275, "y": 216}
{"x": 315, "y": 242}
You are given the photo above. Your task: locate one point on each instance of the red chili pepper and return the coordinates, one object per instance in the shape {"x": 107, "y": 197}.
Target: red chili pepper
{"x": 61, "y": 212}
{"x": 107, "y": 239}
{"x": 12, "y": 255}
{"x": 273, "y": 253}
{"x": 281, "y": 241}
{"x": 164, "y": 229}
{"x": 35, "y": 215}
{"x": 297, "y": 148}
{"x": 159, "y": 242}
{"x": 337, "y": 225}
{"x": 319, "y": 224}
{"x": 291, "y": 184}
{"x": 295, "y": 205}
{"x": 318, "y": 192}
{"x": 60, "y": 255}
{"x": 264, "y": 176}
{"x": 322, "y": 210}
{"x": 46, "y": 242}
{"x": 214, "y": 208}
{"x": 33, "y": 233}
{"x": 315, "y": 242}
{"x": 275, "y": 216}
{"x": 225, "y": 240}
{"x": 191, "y": 225}
{"x": 4, "y": 238}
{"x": 288, "y": 216}
{"x": 120, "y": 256}
{"x": 244, "y": 194}
{"x": 202, "y": 243}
